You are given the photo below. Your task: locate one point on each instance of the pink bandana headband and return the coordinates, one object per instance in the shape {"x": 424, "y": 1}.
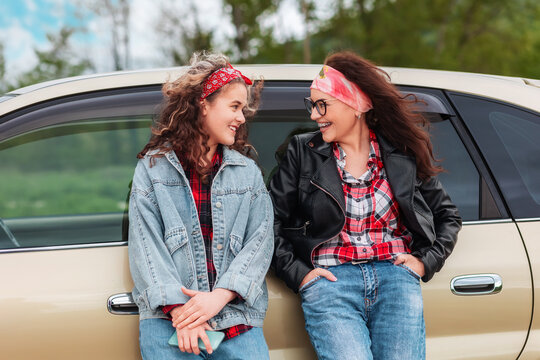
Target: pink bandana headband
{"x": 221, "y": 77}
{"x": 334, "y": 83}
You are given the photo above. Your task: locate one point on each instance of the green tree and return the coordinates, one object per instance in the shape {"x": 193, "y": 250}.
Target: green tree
{"x": 116, "y": 13}
{"x": 496, "y": 36}
{"x": 4, "y": 86}
{"x": 246, "y": 16}
{"x": 57, "y": 62}
{"x": 181, "y": 39}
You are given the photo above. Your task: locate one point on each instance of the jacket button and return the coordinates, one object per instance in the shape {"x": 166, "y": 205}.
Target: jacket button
{"x": 218, "y": 204}
{"x": 219, "y": 246}
{"x": 310, "y": 144}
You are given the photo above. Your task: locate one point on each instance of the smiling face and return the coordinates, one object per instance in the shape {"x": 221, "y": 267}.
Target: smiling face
{"x": 340, "y": 123}
{"x": 222, "y": 115}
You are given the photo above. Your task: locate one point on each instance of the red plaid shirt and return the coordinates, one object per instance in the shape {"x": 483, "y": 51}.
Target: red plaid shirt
{"x": 373, "y": 230}
{"x": 202, "y": 196}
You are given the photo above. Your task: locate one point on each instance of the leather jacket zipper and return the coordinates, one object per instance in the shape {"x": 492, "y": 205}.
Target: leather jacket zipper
{"x": 342, "y": 211}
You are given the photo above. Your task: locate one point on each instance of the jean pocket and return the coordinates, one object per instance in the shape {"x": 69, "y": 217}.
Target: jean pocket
{"x": 410, "y": 271}
{"x": 310, "y": 283}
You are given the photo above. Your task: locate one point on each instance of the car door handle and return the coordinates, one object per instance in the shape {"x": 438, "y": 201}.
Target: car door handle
{"x": 122, "y": 304}
{"x": 479, "y": 284}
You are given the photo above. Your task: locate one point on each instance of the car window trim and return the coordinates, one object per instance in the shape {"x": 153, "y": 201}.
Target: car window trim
{"x": 64, "y": 247}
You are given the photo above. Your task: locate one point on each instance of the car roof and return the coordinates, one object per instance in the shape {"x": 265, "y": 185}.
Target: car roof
{"x": 514, "y": 90}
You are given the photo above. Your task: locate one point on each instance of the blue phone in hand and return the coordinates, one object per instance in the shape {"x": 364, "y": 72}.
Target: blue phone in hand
{"x": 215, "y": 337}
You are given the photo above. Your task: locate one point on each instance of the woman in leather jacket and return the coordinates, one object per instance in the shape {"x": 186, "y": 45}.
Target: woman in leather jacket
{"x": 360, "y": 217}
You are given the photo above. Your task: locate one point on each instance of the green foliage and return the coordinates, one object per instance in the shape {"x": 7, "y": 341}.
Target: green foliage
{"x": 498, "y": 36}
{"x": 246, "y": 16}
{"x": 175, "y": 31}
{"x": 3, "y": 84}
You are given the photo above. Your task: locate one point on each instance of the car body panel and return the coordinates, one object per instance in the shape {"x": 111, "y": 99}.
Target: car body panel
{"x": 63, "y": 303}
{"x": 530, "y": 231}
{"x": 484, "y": 326}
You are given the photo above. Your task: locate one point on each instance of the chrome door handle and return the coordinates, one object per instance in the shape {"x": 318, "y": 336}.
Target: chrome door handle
{"x": 479, "y": 284}
{"x": 122, "y": 304}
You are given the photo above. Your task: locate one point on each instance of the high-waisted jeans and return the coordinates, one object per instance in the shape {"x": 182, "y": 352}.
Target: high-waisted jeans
{"x": 373, "y": 311}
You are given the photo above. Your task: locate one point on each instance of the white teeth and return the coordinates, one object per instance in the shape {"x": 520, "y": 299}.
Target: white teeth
{"x": 232, "y": 128}
{"x": 323, "y": 124}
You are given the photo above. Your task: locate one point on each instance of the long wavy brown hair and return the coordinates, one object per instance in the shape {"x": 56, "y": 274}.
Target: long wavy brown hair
{"x": 391, "y": 116}
{"x": 179, "y": 126}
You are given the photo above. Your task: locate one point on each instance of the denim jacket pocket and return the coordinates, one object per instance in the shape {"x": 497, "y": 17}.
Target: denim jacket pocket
{"x": 175, "y": 239}
{"x": 179, "y": 247}
{"x": 235, "y": 244}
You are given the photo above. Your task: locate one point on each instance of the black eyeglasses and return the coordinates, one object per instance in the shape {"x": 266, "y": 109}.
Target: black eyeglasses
{"x": 320, "y": 105}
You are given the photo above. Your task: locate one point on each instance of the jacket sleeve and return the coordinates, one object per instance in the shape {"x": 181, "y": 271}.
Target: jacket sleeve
{"x": 152, "y": 269}
{"x": 284, "y": 194}
{"x": 447, "y": 223}
{"x": 246, "y": 273}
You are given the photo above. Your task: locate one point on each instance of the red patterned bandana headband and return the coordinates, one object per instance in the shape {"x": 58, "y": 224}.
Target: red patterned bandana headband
{"x": 334, "y": 83}
{"x": 221, "y": 77}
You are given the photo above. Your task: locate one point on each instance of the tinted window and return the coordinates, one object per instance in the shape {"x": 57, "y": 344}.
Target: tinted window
{"x": 460, "y": 178}
{"x": 67, "y": 183}
{"x": 508, "y": 138}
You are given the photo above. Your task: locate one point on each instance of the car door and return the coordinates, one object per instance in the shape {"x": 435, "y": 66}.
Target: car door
{"x": 507, "y": 137}
{"x": 65, "y": 167}
{"x": 480, "y": 304}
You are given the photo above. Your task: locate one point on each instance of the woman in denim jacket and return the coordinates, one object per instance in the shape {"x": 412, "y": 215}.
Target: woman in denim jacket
{"x": 200, "y": 236}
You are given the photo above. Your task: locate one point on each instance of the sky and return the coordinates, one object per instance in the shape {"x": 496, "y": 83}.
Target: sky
{"x": 25, "y": 23}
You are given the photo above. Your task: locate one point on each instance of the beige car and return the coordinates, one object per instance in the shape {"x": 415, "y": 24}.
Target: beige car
{"x": 67, "y": 155}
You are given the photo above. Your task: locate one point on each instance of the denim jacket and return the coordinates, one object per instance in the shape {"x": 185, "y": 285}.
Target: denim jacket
{"x": 166, "y": 247}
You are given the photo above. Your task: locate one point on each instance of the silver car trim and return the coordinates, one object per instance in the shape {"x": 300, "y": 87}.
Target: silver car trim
{"x": 122, "y": 304}
{"x": 64, "y": 247}
{"x": 497, "y": 221}
{"x": 124, "y": 243}
{"x": 527, "y": 219}
{"x": 477, "y": 284}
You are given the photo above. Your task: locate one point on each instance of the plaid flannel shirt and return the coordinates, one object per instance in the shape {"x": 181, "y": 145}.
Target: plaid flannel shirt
{"x": 373, "y": 230}
{"x": 202, "y": 196}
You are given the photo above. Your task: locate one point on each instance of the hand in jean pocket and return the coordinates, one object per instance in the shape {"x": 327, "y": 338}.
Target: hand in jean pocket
{"x": 411, "y": 262}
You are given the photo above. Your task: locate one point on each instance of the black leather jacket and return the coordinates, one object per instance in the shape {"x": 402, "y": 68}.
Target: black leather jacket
{"x": 309, "y": 207}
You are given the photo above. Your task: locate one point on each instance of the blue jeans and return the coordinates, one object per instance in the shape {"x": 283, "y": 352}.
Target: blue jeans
{"x": 154, "y": 335}
{"x": 373, "y": 311}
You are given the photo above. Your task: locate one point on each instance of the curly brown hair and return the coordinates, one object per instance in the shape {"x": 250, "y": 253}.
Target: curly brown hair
{"x": 391, "y": 116}
{"x": 179, "y": 126}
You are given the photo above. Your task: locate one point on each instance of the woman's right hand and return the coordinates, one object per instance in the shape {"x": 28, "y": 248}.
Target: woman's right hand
{"x": 188, "y": 339}
{"x": 317, "y": 272}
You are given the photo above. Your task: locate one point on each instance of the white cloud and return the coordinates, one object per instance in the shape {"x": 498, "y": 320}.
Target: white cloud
{"x": 30, "y": 5}
{"x": 18, "y": 50}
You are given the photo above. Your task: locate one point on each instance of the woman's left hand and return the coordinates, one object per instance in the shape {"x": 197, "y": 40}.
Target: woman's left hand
{"x": 201, "y": 307}
{"x": 412, "y": 262}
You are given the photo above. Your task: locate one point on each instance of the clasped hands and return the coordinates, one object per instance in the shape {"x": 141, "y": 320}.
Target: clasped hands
{"x": 190, "y": 319}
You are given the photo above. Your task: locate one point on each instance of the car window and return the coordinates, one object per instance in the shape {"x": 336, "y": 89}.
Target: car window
{"x": 508, "y": 139}
{"x": 69, "y": 184}
{"x": 66, "y": 176}
{"x": 460, "y": 177}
